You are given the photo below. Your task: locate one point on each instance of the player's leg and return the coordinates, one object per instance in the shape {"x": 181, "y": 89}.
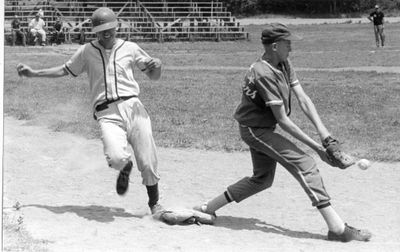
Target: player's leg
{"x": 382, "y": 35}
{"x": 115, "y": 144}
{"x": 262, "y": 178}
{"x": 141, "y": 139}
{"x": 116, "y": 151}
{"x": 376, "y": 32}
{"x": 301, "y": 166}
{"x": 298, "y": 163}
{"x": 304, "y": 169}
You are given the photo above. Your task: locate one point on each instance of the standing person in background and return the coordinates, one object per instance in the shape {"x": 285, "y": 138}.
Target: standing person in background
{"x": 17, "y": 32}
{"x": 377, "y": 17}
{"x": 37, "y": 29}
{"x": 266, "y": 102}
{"x": 109, "y": 63}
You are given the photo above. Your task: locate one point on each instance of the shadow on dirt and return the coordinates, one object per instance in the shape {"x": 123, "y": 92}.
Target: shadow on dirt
{"x": 237, "y": 223}
{"x": 92, "y": 212}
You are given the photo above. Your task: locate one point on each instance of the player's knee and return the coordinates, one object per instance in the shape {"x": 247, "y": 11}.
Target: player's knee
{"x": 263, "y": 180}
{"x": 311, "y": 175}
{"x": 264, "y": 185}
{"x": 147, "y": 168}
{"x": 259, "y": 184}
{"x": 117, "y": 161}
{"x": 267, "y": 184}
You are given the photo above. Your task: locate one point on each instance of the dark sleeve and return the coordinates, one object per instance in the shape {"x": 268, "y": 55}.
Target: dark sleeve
{"x": 267, "y": 87}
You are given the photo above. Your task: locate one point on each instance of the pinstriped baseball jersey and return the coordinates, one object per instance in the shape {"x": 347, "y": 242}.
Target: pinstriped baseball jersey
{"x": 265, "y": 86}
{"x": 110, "y": 73}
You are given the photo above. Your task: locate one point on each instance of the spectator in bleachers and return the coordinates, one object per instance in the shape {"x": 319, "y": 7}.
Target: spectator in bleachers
{"x": 37, "y": 29}
{"x": 41, "y": 13}
{"x": 57, "y": 35}
{"x": 16, "y": 32}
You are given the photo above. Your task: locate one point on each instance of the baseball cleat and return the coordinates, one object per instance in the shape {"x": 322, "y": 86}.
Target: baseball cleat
{"x": 123, "y": 179}
{"x": 349, "y": 234}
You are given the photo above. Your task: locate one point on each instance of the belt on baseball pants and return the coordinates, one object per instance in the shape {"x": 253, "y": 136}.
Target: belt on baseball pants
{"x": 104, "y": 105}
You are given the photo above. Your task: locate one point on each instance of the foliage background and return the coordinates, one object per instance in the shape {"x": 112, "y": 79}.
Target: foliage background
{"x": 325, "y": 8}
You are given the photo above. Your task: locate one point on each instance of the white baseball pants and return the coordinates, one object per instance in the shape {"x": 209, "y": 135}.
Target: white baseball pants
{"x": 127, "y": 122}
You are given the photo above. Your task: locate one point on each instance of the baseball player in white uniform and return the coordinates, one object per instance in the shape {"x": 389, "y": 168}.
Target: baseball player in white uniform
{"x": 109, "y": 63}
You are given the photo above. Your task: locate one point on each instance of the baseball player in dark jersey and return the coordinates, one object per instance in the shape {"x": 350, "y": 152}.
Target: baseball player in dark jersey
{"x": 266, "y": 102}
{"x": 377, "y": 17}
{"x": 109, "y": 63}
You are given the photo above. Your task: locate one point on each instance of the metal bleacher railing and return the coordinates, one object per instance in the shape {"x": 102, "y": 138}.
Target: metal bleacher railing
{"x": 138, "y": 20}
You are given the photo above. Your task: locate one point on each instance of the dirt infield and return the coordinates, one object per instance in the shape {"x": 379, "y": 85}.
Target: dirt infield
{"x": 68, "y": 200}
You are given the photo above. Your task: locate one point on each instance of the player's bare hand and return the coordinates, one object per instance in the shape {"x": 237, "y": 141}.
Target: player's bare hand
{"x": 24, "y": 70}
{"x": 153, "y": 63}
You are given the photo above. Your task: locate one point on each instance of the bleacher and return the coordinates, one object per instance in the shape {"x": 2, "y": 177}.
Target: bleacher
{"x": 138, "y": 20}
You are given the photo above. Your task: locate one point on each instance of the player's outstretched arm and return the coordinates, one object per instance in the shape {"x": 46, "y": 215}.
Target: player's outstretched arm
{"x": 290, "y": 127}
{"x": 54, "y": 72}
{"x": 333, "y": 154}
{"x": 308, "y": 107}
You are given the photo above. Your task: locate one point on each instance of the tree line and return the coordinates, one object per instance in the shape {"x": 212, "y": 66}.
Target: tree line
{"x": 307, "y": 7}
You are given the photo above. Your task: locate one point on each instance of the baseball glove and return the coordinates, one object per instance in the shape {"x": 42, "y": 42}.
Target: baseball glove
{"x": 335, "y": 155}
{"x": 184, "y": 217}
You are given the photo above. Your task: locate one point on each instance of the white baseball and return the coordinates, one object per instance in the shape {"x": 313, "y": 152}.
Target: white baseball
{"x": 363, "y": 164}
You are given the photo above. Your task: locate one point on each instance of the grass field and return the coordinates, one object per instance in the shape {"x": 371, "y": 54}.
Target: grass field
{"x": 193, "y": 108}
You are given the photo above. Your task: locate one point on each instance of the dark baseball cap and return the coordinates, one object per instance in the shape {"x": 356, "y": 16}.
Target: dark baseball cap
{"x": 275, "y": 32}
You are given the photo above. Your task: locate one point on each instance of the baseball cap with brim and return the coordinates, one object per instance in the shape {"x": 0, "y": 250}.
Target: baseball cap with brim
{"x": 376, "y": 6}
{"x": 103, "y": 19}
{"x": 275, "y": 32}
{"x": 105, "y": 26}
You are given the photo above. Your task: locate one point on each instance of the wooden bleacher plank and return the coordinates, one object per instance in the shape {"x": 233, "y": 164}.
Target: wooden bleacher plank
{"x": 139, "y": 18}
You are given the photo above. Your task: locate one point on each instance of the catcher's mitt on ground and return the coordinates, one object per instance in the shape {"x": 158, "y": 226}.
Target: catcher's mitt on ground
{"x": 184, "y": 217}
{"x": 335, "y": 155}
